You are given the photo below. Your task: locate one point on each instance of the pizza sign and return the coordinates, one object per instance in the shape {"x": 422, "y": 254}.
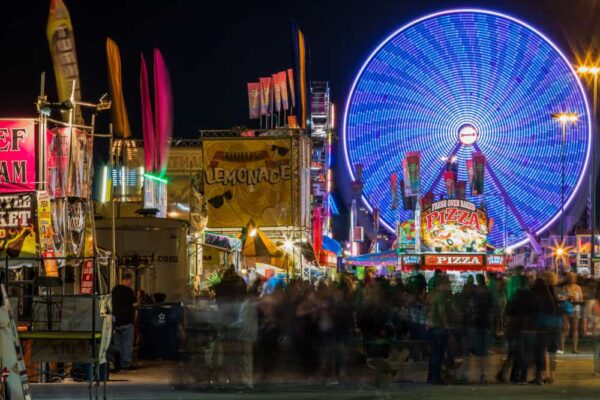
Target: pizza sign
{"x": 458, "y": 261}
{"x": 454, "y": 226}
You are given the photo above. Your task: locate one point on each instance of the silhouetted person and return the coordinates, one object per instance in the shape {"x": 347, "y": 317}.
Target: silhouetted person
{"x": 123, "y": 308}
{"x": 548, "y": 324}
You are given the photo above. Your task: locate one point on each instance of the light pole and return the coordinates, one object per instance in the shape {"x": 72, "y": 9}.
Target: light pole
{"x": 592, "y": 70}
{"x": 563, "y": 119}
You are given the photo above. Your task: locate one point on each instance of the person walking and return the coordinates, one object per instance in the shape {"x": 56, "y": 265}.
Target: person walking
{"x": 548, "y": 324}
{"x": 481, "y": 325}
{"x": 124, "y": 303}
{"x": 592, "y": 313}
{"x": 571, "y": 293}
{"x": 247, "y": 328}
{"x": 437, "y": 325}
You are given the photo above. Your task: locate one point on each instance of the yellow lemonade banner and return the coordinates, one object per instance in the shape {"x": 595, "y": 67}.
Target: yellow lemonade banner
{"x": 248, "y": 179}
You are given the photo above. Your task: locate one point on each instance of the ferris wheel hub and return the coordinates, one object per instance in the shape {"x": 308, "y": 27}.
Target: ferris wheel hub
{"x": 468, "y": 134}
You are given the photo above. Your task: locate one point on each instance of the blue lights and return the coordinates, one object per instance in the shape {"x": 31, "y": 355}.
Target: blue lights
{"x": 478, "y": 68}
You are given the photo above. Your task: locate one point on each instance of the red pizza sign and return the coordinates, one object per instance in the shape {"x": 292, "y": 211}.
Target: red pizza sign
{"x": 466, "y": 261}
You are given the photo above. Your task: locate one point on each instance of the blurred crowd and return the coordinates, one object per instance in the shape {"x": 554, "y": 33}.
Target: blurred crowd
{"x": 267, "y": 326}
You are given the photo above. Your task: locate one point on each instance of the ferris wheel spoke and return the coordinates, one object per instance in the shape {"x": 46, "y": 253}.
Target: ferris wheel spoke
{"x": 504, "y": 194}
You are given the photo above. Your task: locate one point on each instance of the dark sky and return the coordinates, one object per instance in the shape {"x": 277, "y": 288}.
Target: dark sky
{"x": 212, "y": 50}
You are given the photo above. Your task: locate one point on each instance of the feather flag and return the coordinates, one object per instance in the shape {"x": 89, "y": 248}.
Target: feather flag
{"x": 478, "y": 173}
{"x": 277, "y": 92}
{"x": 147, "y": 120}
{"x": 449, "y": 180}
{"x": 163, "y": 110}
{"x": 254, "y": 99}
{"x": 284, "y": 90}
{"x": 119, "y": 110}
{"x": 265, "y": 95}
{"x": 290, "y": 78}
{"x": 302, "y": 74}
{"x": 61, "y": 40}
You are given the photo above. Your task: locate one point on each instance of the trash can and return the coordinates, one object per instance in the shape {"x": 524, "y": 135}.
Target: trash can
{"x": 159, "y": 331}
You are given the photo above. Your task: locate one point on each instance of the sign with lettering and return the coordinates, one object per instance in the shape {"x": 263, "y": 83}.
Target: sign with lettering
{"x": 458, "y": 261}
{"x": 17, "y": 155}
{"x": 46, "y": 233}
{"x": 17, "y": 234}
{"x": 247, "y": 178}
{"x": 454, "y": 226}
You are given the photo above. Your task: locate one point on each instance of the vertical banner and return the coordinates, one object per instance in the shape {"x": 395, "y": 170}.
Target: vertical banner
{"x": 394, "y": 187}
{"x": 449, "y": 179}
{"x": 277, "y": 92}
{"x": 413, "y": 159}
{"x": 17, "y": 234}
{"x": 284, "y": 90}
{"x": 64, "y": 58}
{"x": 265, "y": 95}
{"x": 408, "y": 202}
{"x": 478, "y": 173}
{"x": 290, "y": 78}
{"x": 80, "y": 179}
{"x": 118, "y": 109}
{"x": 46, "y": 233}
{"x": 406, "y": 187}
{"x": 470, "y": 174}
{"x": 254, "y": 100}
{"x": 58, "y": 161}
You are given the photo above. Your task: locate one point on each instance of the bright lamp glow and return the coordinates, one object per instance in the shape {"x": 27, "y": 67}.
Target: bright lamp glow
{"x": 253, "y": 232}
{"x": 560, "y": 251}
{"x": 288, "y": 245}
{"x": 461, "y": 68}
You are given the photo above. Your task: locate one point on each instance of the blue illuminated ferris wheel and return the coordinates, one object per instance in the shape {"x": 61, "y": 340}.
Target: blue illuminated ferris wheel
{"x": 482, "y": 75}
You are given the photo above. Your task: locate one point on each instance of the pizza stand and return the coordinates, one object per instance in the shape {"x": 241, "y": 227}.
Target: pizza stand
{"x": 451, "y": 237}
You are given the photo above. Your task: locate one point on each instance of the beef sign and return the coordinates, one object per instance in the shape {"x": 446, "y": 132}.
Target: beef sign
{"x": 17, "y": 155}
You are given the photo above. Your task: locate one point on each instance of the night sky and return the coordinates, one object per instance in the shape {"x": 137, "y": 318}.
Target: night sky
{"x": 213, "y": 48}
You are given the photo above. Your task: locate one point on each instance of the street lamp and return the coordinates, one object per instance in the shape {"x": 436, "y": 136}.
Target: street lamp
{"x": 563, "y": 119}
{"x": 593, "y": 71}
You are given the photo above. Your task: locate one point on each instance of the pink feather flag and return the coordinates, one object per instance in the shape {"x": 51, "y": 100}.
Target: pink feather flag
{"x": 163, "y": 110}
{"x": 147, "y": 121}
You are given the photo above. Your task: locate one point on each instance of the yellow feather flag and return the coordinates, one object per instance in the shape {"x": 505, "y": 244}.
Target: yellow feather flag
{"x": 115, "y": 84}
{"x": 64, "y": 58}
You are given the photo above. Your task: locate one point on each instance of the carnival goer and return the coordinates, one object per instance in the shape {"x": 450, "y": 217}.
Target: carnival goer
{"x": 571, "y": 293}
{"x": 438, "y": 273}
{"x": 124, "y": 303}
{"x": 229, "y": 294}
{"x": 247, "y": 330}
{"x": 592, "y": 313}
{"x": 519, "y": 312}
{"x": 480, "y": 324}
{"x": 548, "y": 325}
{"x": 437, "y": 325}
{"x": 465, "y": 308}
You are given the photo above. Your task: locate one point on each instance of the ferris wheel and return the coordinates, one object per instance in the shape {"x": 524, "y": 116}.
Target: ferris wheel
{"x": 463, "y": 81}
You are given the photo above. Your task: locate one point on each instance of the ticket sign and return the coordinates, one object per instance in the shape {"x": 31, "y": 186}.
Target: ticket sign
{"x": 454, "y": 226}
{"x": 17, "y": 155}
{"x": 455, "y": 261}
